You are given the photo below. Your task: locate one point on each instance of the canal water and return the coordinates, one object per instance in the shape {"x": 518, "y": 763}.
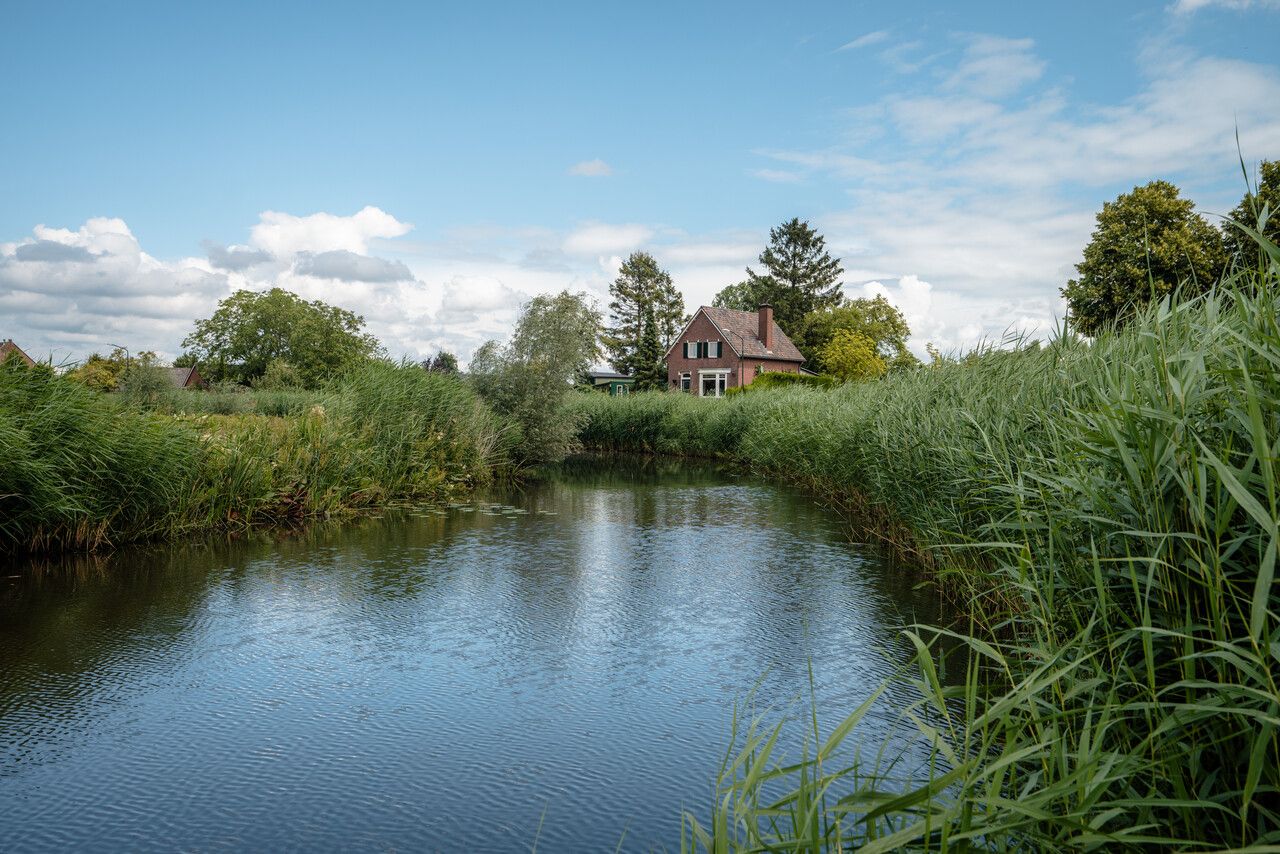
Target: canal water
{"x": 553, "y": 664}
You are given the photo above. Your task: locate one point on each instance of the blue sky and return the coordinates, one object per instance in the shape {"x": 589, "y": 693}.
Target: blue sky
{"x": 953, "y": 154}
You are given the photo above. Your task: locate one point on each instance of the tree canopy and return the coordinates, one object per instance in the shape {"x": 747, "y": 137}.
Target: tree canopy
{"x": 1146, "y": 243}
{"x": 799, "y": 276}
{"x": 641, "y": 286}
{"x": 250, "y": 329}
{"x": 877, "y": 320}
{"x": 851, "y": 355}
{"x": 1242, "y": 247}
{"x": 554, "y": 344}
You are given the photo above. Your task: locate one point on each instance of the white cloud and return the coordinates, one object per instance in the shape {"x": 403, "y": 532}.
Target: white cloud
{"x": 591, "y": 169}
{"x": 778, "y": 176}
{"x": 865, "y": 40}
{"x": 1187, "y": 7}
{"x": 284, "y": 235}
{"x": 995, "y": 67}
{"x": 598, "y": 238}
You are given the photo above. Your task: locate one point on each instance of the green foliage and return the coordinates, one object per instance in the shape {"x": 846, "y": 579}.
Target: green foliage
{"x": 443, "y": 362}
{"x": 850, "y": 355}
{"x": 650, "y": 369}
{"x": 249, "y": 330}
{"x": 278, "y": 376}
{"x": 107, "y": 373}
{"x": 80, "y": 469}
{"x": 799, "y": 276}
{"x": 528, "y": 380}
{"x": 1107, "y": 512}
{"x": 1148, "y": 242}
{"x": 782, "y": 379}
{"x": 642, "y": 287}
{"x": 1259, "y": 210}
{"x": 876, "y": 319}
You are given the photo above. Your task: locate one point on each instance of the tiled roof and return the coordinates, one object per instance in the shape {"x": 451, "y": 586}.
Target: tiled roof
{"x": 741, "y": 329}
{"x": 180, "y": 376}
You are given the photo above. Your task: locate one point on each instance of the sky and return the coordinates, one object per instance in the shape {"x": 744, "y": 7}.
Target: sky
{"x": 432, "y": 167}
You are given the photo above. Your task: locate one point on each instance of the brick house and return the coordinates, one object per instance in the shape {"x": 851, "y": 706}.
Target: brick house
{"x": 722, "y": 348}
{"x": 7, "y": 348}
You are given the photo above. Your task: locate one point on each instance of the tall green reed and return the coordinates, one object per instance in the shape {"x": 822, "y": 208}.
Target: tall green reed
{"x": 1107, "y": 511}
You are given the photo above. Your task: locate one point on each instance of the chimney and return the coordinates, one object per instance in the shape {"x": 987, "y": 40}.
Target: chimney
{"x": 766, "y": 326}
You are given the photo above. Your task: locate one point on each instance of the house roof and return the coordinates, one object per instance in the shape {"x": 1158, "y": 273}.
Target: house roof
{"x": 608, "y": 375}
{"x": 742, "y": 330}
{"x": 181, "y": 376}
{"x": 7, "y": 346}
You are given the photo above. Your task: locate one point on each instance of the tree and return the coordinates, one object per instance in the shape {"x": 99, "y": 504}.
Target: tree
{"x": 108, "y": 373}
{"x": 1241, "y": 247}
{"x": 641, "y": 286}
{"x": 554, "y": 344}
{"x": 877, "y": 319}
{"x": 250, "y": 329}
{"x": 1147, "y": 243}
{"x": 743, "y": 296}
{"x": 443, "y": 362}
{"x": 851, "y": 355}
{"x": 800, "y": 276}
{"x": 650, "y": 370}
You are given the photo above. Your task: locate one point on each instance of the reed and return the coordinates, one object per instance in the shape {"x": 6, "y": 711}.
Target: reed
{"x": 1107, "y": 511}
{"x": 83, "y": 470}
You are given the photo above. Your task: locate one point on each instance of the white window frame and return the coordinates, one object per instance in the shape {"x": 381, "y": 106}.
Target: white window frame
{"x": 722, "y": 381}
{"x": 686, "y": 382}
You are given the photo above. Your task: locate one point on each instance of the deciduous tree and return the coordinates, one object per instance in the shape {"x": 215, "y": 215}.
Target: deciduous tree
{"x": 877, "y": 319}
{"x": 1147, "y": 243}
{"x": 851, "y": 355}
{"x": 250, "y": 329}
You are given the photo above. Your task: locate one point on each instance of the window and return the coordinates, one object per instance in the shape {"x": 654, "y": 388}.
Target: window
{"x": 712, "y": 383}
{"x": 686, "y": 383}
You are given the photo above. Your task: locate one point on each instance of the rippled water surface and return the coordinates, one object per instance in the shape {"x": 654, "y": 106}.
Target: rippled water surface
{"x": 565, "y": 655}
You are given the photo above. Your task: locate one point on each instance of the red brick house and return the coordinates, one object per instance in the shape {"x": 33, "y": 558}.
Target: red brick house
{"x": 722, "y": 348}
{"x": 7, "y": 347}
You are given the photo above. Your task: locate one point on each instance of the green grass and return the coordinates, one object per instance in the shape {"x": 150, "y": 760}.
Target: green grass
{"x": 1107, "y": 513}
{"x": 83, "y": 470}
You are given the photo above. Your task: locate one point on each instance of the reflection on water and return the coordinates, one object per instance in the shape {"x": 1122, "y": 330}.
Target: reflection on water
{"x": 567, "y": 653}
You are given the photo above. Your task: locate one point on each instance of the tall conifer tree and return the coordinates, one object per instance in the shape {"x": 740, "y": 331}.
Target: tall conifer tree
{"x": 650, "y": 371}
{"x": 799, "y": 276}
{"x": 641, "y": 285}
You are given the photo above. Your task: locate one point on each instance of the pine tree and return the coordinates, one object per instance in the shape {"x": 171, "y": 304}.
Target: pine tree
{"x": 641, "y": 285}
{"x": 650, "y": 371}
{"x": 800, "y": 275}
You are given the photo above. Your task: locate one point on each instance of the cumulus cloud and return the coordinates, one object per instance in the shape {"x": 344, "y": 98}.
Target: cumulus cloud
{"x": 591, "y": 169}
{"x": 53, "y": 252}
{"x": 350, "y": 267}
{"x": 284, "y": 234}
{"x": 234, "y": 257}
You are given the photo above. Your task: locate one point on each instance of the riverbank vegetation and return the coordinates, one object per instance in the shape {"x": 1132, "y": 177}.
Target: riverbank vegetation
{"x": 1107, "y": 511}
{"x": 80, "y": 469}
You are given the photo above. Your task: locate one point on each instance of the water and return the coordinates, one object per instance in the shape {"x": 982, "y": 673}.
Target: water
{"x": 566, "y": 655}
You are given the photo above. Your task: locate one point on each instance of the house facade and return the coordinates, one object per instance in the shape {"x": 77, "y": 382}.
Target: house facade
{"x": 8, "y": 348}
{"x": 722, "y": 348}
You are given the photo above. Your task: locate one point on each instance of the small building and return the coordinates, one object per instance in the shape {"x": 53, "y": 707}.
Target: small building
{"x": 187, "y": 378}
{"x": 8, "y": 348}
{"x": 613, "y": 384}
{"x": 723, "y": 348}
